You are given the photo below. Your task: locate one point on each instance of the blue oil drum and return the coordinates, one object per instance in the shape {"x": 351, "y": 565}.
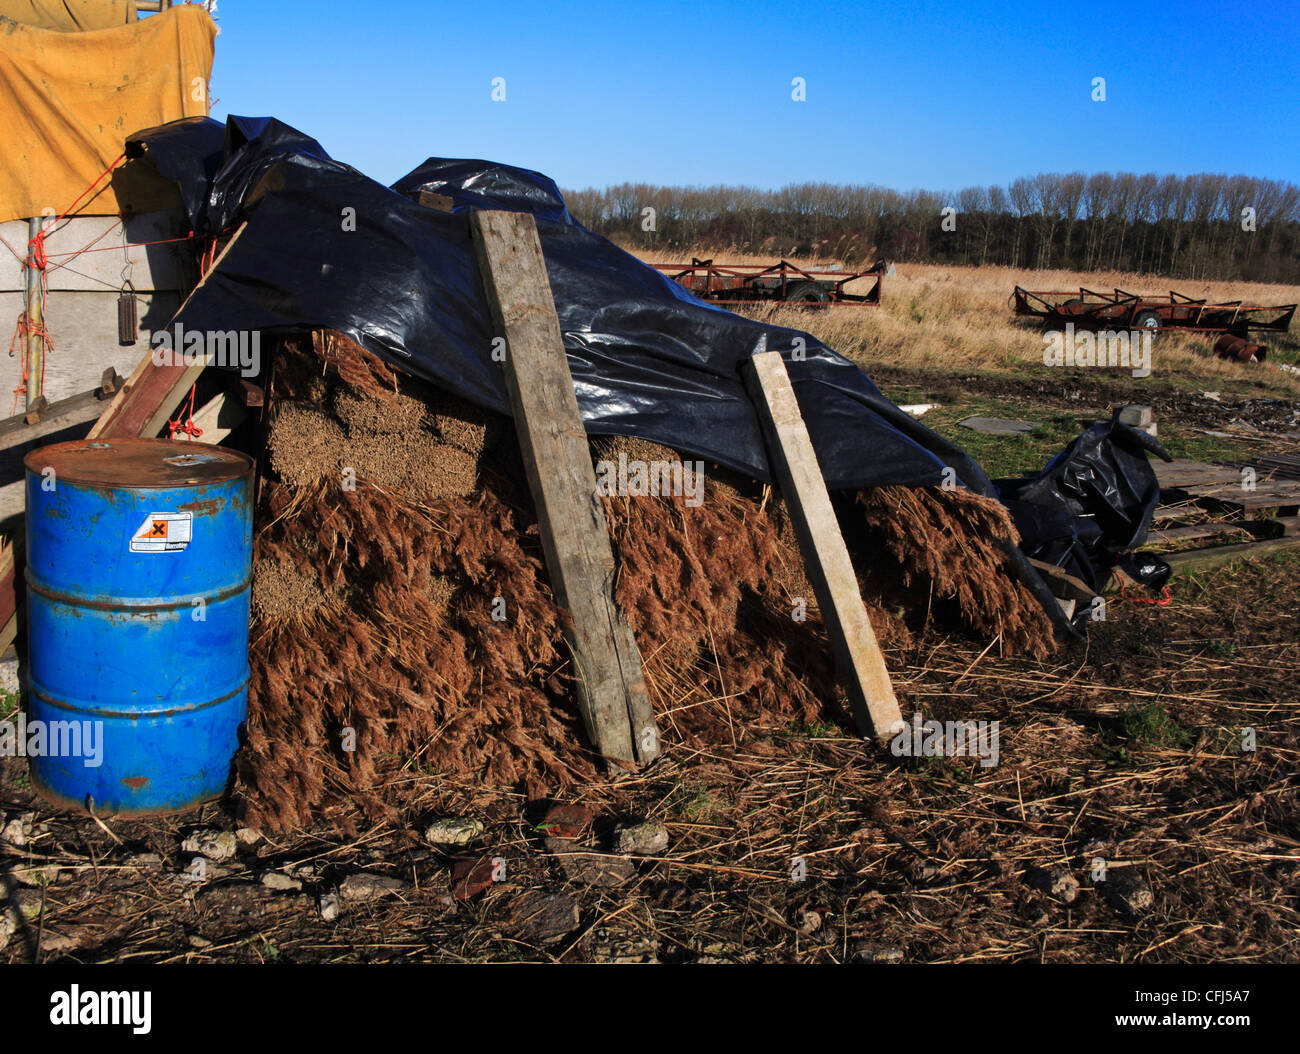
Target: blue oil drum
{"x": 139, "y": 560}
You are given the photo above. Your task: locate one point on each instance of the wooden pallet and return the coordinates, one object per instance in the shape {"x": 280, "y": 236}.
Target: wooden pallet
{"x": 1190, "y": 488}
{"x": 1180, "y": 474}
{"x": 1193, "y": 532}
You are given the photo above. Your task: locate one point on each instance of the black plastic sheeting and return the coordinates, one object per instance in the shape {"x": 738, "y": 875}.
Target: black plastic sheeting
{"x": 647, "y": 357}
{"x": 325, "y": 247}
{"x": 1093, "y": 501}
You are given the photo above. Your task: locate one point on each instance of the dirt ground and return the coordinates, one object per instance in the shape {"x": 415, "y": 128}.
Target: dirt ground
{"x": 1122, "y": 822}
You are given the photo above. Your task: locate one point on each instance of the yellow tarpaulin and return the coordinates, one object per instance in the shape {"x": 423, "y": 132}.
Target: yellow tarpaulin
{"x": 69, "y": 15}
{"x": 69, "y": 100}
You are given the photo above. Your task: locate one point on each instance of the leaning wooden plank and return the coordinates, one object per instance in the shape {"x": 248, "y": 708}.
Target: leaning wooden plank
{"x": 1062, "y": 584}
{"x": 611, "y": 687}
{"x": 64, "y": 420}
{"x": 826, "y": 557}
{"x": 148, "y": 399}
{"x": 1204, "y": 559}
{"x": 8, "y": 598}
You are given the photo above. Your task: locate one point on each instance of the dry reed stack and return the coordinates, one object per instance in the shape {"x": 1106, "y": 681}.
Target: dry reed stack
{"x": 376, "y": 656}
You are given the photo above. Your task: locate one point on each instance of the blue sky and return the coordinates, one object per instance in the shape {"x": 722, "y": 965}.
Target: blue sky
{"x": 900, "y": 95}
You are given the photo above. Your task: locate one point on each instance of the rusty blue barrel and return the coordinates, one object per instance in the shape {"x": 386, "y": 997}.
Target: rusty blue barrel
{"x": 139, "y": 560}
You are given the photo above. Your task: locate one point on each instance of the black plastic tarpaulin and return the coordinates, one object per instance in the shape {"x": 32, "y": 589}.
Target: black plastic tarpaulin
{"x": 1091, "y": 502}
{"x": 323, "y": 246}
{"x": 326, "y": 247}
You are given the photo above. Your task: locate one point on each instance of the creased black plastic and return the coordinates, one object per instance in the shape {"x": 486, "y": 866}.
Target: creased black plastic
{"x": 1092, "y": 501}
{"x": 647, "y": 358}
{"x": 188, "y": 152}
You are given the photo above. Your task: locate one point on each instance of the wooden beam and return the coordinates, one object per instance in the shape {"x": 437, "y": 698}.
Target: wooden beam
{"x": 825, "y": 555}
{"x": 248, "y": 393}
{"x": 54, "y": 418}
{"x": 1062, "y": 584}
{"x": 1194, "y": 532}
{"x": 1206, "y": 559}
{"x": 612, "y": 694}
{"x": 143, "y": 406}
{"x": 440, "y": 202}
{"x": 65, "y": 420}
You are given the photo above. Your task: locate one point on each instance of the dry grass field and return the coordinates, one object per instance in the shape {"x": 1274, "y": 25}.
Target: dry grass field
{"x": 940, "y": 318}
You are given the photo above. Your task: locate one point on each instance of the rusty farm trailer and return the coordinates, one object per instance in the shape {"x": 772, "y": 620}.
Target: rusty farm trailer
{"x": 1087, "y": 309}
{"x": 781, "y": 282}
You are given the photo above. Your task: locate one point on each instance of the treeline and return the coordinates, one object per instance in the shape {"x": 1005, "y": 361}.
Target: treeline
{"x": 1203, "y": 226}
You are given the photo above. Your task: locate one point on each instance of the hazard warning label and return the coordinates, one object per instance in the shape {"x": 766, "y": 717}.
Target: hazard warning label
{"x": 163, "y": 532}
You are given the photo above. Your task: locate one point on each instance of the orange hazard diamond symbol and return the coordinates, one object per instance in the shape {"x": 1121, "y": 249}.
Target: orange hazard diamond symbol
{"x": 158, "y": 530}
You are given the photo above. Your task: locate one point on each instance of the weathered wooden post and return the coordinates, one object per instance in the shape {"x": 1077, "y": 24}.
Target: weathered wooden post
{"x": 611, "y": 690}
{"x": 826, "y": 557}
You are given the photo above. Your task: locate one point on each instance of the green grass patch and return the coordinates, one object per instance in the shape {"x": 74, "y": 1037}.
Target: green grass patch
{"x": 9, "y": 704}
{"x": 1151, "y": 725}
{"x": 693, "y": 801}
{"x": 1005, "y": 455}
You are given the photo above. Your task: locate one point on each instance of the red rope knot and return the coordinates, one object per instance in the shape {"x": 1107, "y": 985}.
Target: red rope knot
{"x": 189, "y": 428}
{"x": 36, "y": 258}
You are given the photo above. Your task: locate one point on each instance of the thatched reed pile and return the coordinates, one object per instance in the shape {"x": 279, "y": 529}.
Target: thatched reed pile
{"x": 404, "y": 626}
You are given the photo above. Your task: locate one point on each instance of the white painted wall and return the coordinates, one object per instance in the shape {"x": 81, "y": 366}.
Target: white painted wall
{"x": 81, "y": 304}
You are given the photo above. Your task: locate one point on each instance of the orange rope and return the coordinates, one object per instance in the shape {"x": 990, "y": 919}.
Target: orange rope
{"x": 21, "y": 331}
{"x": 189, "y": 427}
{"x": 38, "y": 260}
{"x": 1162, "y": 601}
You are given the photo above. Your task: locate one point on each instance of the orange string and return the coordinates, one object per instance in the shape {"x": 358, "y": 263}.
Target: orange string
{"x": 189, "y": 427}
{"x": 1162, "y": 601}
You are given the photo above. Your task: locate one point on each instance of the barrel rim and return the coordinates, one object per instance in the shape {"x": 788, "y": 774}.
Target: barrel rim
{"x": 227, "y": 465}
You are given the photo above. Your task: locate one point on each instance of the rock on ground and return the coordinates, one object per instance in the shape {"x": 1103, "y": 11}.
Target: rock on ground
{"x": 365, "y": 885}
{"x": 641, "y": 839}
{"x": 543, "y": 918}
{"x": 453, "y": 830}
{"x": 280, "y": 881}
{"x": 1056, "y": 882}
{"x": 875, "y": 952}
{"x": 1128, "y": 891}
{"x": 330, "y": 906}
{"x": 209, "y": 842}
{"x": 589, "y": 868}
{"x": 567, "y": 821}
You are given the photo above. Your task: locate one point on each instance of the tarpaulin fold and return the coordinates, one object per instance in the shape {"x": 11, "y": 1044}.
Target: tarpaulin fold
{"x": 70, "y": 16}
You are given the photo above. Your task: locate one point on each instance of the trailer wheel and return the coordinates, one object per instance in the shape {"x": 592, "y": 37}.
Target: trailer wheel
{"x": 1148, "y": 320}
{"x": 807, "y": 293}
